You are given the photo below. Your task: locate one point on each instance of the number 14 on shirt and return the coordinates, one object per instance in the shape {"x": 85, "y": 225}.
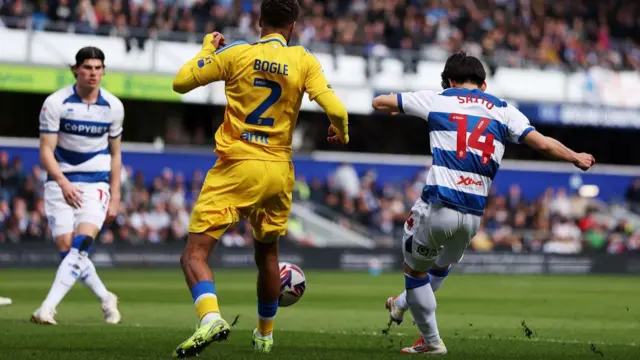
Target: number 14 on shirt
{"x": 474, "y": 142}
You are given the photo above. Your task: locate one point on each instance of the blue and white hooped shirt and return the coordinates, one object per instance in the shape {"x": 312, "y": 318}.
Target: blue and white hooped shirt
{"x": 468, "y": 131}
{"x": 83, "y": 131}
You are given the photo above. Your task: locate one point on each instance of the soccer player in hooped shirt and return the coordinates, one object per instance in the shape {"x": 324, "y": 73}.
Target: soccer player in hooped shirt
{"x": 80, "y": 130}
{"x": 468, "y": 132}
{"x": 253, "y": 177}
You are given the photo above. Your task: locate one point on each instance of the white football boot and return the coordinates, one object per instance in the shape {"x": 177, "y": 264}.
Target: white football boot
{"x": 420, "y": 347}
{"x": 396, "y": 313}
{"x": 44, "y": 315}
{"x": 110, "y": 309}
{"x": 4, "y": 301}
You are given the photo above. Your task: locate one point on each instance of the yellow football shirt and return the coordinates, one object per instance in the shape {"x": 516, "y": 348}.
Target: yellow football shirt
{"x": 264, "y": 84}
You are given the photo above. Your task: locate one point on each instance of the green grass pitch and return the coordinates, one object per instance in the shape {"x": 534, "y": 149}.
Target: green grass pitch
{"x": 341, "y": 316}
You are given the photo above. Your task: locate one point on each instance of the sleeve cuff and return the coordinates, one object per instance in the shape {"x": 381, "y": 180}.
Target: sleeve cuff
{"x": 116, "y": 135}
{"x": 525, "y": 133}
{"x": 400, "y": 107}
{"x": 42, "y": 131}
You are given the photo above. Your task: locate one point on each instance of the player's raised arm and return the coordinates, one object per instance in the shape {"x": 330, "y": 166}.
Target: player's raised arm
{"x": 209, "y": 65}
{"x": 387, "y": 103}
{"x": 318, "y": 88}
{"x": 411, "y": 103}
{"x": 554, "y": 149}
{"x": 520, "y": 131}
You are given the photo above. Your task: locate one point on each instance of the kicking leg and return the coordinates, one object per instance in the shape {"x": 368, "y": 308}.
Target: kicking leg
{"x": 428, "y": 229}
{"x": 199, "y": 278}
{"x": 429, "y": 232}
{"x": 442, "y": 241}
{"x": 268, "y": 287}
{"x": 422, "y": 303}
{"x": 398, "y": 305}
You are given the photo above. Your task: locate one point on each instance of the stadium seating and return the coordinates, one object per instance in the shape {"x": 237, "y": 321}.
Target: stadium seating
{"x": 558, "y": 34}
{"x": 376, "y": 58}
{"x": 157, "y": 211}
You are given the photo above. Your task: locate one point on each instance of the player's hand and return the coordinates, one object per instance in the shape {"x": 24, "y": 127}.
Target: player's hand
{"x": 584, "y": 161}
{"x": 72, "y": 194}
{"x": 218, "y": 40}
{"x": 112, "y": 212}
{"x": 333, "y": 137}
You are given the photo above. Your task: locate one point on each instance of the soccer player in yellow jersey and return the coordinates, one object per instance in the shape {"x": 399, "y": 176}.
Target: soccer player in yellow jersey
{"x": 253, "y": 176}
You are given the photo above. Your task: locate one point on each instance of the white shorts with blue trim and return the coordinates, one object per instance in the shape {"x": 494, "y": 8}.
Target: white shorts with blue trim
{"x": 435, "y": 234}
{"x": 63, "y": 219}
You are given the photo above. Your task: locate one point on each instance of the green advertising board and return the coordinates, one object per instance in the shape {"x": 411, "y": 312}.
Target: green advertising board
{"x": 125, "y": 85}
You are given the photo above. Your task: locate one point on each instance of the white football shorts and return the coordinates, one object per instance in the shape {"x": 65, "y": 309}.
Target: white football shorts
{"x": 434, "y": 234}
{"x": 63, "y": 218}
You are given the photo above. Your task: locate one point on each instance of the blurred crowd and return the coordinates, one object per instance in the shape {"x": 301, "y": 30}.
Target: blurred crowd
{"x": 155, "y": 211}
{"x": 561, "y": 33}
{"x": 158, "y": 210}
{"x": 555, "y": 222}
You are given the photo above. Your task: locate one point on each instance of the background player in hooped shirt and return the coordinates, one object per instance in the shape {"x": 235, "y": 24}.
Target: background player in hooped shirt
{"x": 265, "y": 83}
{"x": 468, "y": 131}
{"x": 80, "y": 131}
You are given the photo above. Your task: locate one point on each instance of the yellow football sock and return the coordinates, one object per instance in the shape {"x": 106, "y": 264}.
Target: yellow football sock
{"x": 265, "y": 326}
{"x": 207, "y": 304}
{"x": 266, "y": 317}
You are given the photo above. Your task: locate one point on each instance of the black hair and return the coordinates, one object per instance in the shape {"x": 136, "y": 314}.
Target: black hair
{"x": 87, "y": 53}
{"x": 279, "y": 14}
{"x": 462, "y": 68}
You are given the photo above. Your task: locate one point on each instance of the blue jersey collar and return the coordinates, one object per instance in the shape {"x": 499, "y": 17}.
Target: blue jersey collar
{"x": 272, "y": 38}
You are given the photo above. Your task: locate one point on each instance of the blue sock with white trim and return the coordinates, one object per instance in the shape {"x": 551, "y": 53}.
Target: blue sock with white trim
{"x": 82, "y": 243}
{"x": 422, "y": 303}
{"x": 436, "y": 278}
{"x": 63, "y": 254}
{"x": 206, "y": 301}
{"x": 266, "y": 316}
